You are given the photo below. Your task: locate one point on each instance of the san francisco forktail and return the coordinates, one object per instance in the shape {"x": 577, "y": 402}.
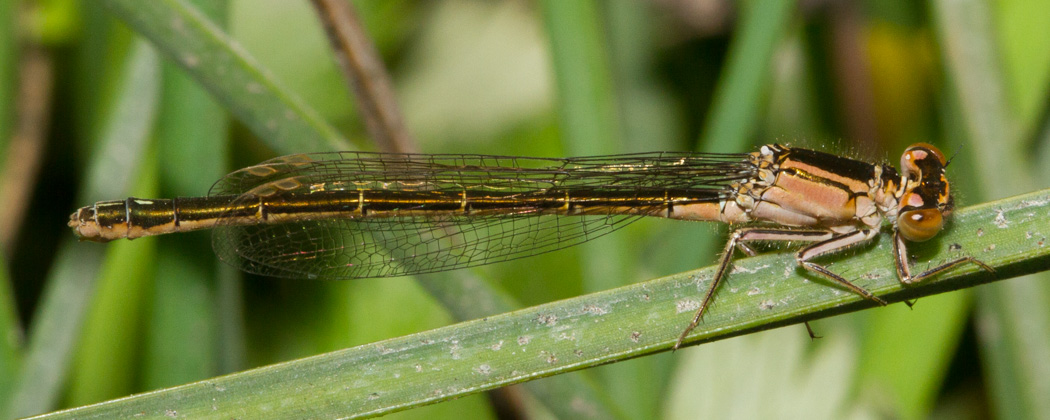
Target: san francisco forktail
{"x": 357, "y": 215}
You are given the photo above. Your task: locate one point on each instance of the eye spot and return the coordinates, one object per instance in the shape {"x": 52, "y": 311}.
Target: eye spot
{"x": 914, "y": 200}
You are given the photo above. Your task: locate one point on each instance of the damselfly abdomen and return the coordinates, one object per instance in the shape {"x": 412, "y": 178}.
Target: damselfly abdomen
{"x": 356, "y": 215}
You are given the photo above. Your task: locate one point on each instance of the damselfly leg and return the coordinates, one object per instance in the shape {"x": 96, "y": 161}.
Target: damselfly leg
{"x": 827, "y": 242}
{"x": 900, "y": 251}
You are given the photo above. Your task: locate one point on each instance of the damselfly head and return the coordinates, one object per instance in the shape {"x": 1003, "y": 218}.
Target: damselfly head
{"x": 927, "y": 198}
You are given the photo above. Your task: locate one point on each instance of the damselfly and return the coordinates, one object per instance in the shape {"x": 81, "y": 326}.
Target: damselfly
{"x": 356, "y": 215}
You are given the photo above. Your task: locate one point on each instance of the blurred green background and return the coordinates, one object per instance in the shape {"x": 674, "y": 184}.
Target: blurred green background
{"x": 90, "y": 111}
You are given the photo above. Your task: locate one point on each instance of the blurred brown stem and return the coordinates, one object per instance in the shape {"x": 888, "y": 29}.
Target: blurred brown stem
{"x": 25, "y": 151}
{"x": 367, "y": 75}
{"x": 852, "y": 73}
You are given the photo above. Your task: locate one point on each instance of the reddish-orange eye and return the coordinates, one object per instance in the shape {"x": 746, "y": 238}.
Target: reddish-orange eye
{"x": 920, "y": 225}
{"x": 914, "y": 156}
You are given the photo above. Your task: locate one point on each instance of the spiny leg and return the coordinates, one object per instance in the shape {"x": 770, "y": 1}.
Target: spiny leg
{"x": 834, "y": 245}
{"x": 900, "y": 253}
{"x": 723, "y": 264}
{"x": 736, "y": 240}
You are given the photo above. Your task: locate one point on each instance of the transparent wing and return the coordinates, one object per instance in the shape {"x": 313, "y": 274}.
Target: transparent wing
{"x": 417, "y": 172}
{"x": 357, "y": 247}
{"x": 347, "y": 248}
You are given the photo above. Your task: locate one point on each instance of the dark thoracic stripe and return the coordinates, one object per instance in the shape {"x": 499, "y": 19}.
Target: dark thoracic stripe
{"x": 853, "y": 169}
{"x": 820, "y": 180}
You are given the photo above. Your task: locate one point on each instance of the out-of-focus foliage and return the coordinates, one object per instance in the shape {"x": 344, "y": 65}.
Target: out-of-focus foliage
{"x": 84, "y": 322}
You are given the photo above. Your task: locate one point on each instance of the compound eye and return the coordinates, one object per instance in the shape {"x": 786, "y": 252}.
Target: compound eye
{"x": 920, "y": 225}
{"x": 920, "y": 154}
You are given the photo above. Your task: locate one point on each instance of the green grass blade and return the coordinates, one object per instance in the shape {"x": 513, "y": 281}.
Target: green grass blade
{"x": 746, "y": 76}
{"x": 590, "y": 123}
{"x": 972, "y": 59}
{"x": 929, "y": 335}
{"x": 248, "y": 91}
{"x": 10, "y": 328}
{"x": 586, "y": 99}
{"x": 1025, "y": 42}
{"x": 191, "y": 133}
{"x": 8, "y": 72}
{"x": 1014, "y": 318}
{"x": 631, "y": 321}
{"x": 566, "y": 396}
{"x": 57, "y": 321}
{"x": 10, "y": 336}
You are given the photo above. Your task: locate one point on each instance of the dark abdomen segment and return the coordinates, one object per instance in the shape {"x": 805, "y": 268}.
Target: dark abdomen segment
{"x": 134, "y": 218}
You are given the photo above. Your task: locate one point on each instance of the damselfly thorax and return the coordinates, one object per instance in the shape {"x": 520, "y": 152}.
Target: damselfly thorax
{"x": 356, "y": 215}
